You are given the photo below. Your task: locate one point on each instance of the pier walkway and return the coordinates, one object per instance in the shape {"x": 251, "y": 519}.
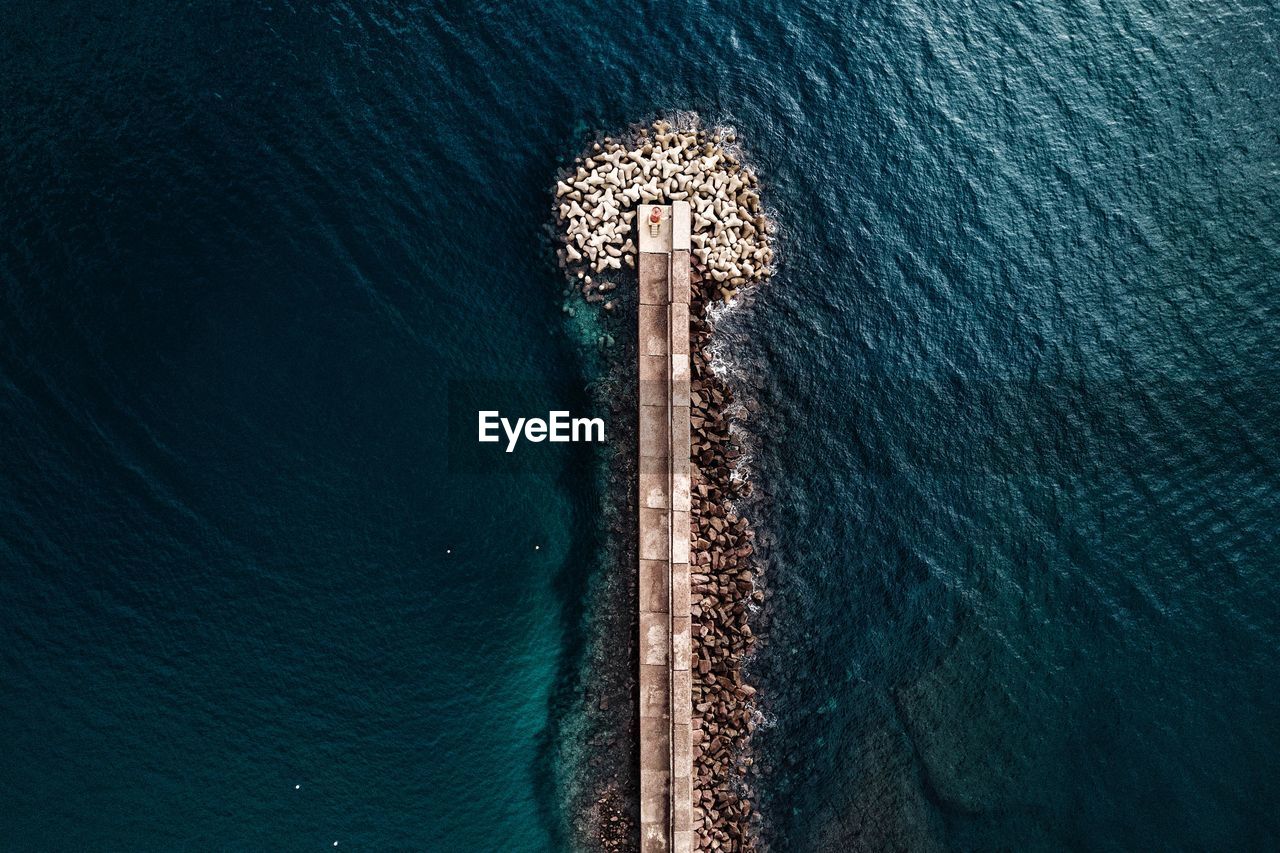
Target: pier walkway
{"x": 666, "y": 750}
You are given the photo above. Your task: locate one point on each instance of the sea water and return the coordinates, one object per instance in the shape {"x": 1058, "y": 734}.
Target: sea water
{"x": 1014, "y": 424}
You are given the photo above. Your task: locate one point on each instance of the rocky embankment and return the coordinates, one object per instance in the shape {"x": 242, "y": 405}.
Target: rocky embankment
{"x": 723, "y": 587}
{"x": 596, "y": 201}
{"x": 596, "y": 207}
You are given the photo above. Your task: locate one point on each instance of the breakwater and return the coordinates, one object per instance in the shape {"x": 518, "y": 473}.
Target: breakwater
{"x": 663, "y": 634}
{"x": 599, "y": 202}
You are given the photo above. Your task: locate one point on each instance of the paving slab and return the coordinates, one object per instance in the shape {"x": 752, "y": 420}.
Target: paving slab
{"x": 682, "y": 685}
{"x": 681, "y": 228}
{"x": 680, "y": 598}
{"x": 681, "y": 495}
{"x": 657, "y": 730}
{"x": 653, "y": 368}
{"x": 653, "y": 835}
{"x": 680, "y": 320}
{"x": 653, "y": 490}
{"x": 655, "y": 681}
{"x": 682, "y": 749}
{"x": 680, "y": 380}
{"x": 654, "y": 642}
{"x": 652, "y": 270}
{"x": 655, "y": 576}
{"x": 654, "y": 464}
{"x": 680, "y": 441}
{"x": 681, "y": 285}
{"x": 653, "y": 433}
{"x": 655, "y": 534}
{"x": 680, "y": 642}
{"x": 683, "y": 798}
{"x": 653, "y": 330}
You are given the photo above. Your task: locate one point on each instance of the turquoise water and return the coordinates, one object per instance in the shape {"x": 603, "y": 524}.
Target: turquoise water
{"x": 1016, "y": 433}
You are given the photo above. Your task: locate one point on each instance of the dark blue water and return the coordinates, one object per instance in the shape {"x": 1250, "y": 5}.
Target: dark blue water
{"x": 1018, "y": 419}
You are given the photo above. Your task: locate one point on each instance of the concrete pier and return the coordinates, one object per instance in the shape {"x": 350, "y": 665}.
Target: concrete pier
{"x": 666, "y": 750}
